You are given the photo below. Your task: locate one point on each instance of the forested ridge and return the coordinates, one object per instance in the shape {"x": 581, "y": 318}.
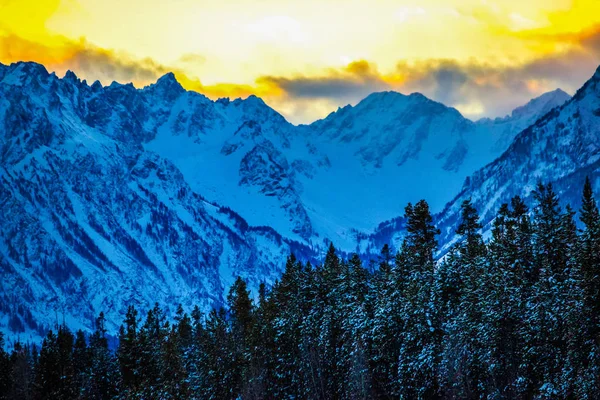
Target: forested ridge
{"x": 516, "y": 316}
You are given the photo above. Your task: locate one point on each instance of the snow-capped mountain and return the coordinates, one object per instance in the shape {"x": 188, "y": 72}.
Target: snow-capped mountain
{"x": 92, "y": 221}
{"x": 388, "y": 148}
{"x": 505, "y": 129}
{"x": 562, "y": 148}
{"x": 116, "y": 195}
{"x": 391, "y": 149}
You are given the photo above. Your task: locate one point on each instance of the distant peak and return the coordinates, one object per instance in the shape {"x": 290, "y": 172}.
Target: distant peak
{"x": 29, "y": 67}
{"x": 250, "y": 101}
{"x": 253, "y": 99}
{"x": 167, "y": 79}
{"x": 559, "y": 91}
{"x": 558, "y": 95}
{"x": 391, "y": 101}
{"x": 96, "y": 86}
{"x": 168, "y": 85}
{"x": 386, "y": 94}
{"x": 392, "y": 97}
{"x": 70, "y": 76}
{"x": 541, "y": 104}
{"x": 419, "y": 95}
{"x": 21, "y": 72}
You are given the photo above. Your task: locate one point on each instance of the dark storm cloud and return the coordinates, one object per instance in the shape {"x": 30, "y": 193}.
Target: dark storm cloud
{"x": 355, "y": 81}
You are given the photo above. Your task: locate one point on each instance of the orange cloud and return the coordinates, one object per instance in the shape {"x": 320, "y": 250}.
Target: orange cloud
{"x": 90, "y": 61}
{"x": 23, "y": 37}
{"x": 352, "y": 82}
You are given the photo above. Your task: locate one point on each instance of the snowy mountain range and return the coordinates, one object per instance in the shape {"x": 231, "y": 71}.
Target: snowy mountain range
{"x": 383, "y": 149}
{"x": 561, "y": 148}
{"x": 115, "y": 195}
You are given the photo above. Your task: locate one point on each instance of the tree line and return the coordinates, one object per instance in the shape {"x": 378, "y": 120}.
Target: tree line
{"x": 516, "y": 316}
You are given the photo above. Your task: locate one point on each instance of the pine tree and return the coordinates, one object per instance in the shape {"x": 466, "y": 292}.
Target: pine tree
{"x": 334, "y": 273}
{"x": 288, "y": 333}
{"x": 469, "y": 320}
{"x": 550, "y": 265}
{"x": 6, "y": 376}
{"x": 450, "y": 287}
{"x": 264, "y": 352}
{"x": 355, "y": 332}
{"x": 24, "y": 364}
{"x": 129, "y": 352}
{"x": 242, "y": 327}
{"x": 421, "y": 335}
{"x": 47, "y": 374}
{"x": 469, "y": 228}
{"x": 590, "y": 259}
{"x": 174, "y": 376}
{"x": 217, "y": 382}
{"x": 185, "y": 330}
{"x": 104, "y": 371}
{"x": 505, "y": 299}
{"x": 585, "y": 349}
{"x": 67, "y": 389}
{"x": 550, "y": 257}
{"x": 152, "y": 336}
{"x": 81, "y": 362}
{"x": 312, "y": 307}
{"x": 389, "y": 283}
{"x": 195, "y": 356}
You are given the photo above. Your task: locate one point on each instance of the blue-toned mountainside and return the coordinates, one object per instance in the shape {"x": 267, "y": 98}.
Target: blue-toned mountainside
{"x": 92, "y": 221}
{"x": 562, "y": 148}
{"x": 115, "y": 195}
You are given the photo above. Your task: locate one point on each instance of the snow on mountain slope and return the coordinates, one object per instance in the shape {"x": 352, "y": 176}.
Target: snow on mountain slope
{"x": 93, "y": 222}
{"x": 389, "y": 147}
{"x": 505, "y": 129}
{"x": 232, "y": 153}
{"x": 562, "y": 148}
{"x": 392, "y": 149}
{"x": 113, "y": 195}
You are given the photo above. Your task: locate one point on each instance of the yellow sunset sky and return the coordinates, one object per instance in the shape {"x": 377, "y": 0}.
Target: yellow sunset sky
{"x": 306, "y": 58}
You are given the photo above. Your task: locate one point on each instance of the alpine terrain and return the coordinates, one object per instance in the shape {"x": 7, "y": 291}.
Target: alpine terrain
{"x": 114, "y": 196}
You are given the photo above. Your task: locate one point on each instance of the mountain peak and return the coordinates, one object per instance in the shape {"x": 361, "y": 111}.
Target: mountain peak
{"x": 20, "y": 72}
{"x": 96, "y": 86}
{"x": 30, "y": 67}
{"x": 589, "y": 88}
{"x": 559, "y": 91}
{"x": 167, "y": 85}
{"x": 71, "y": 77}
{"x": 541, "y": 104}
{"x": 167, "y": 79}
{"x": 387, "y": 96}
{"x": 255, "y": 101}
